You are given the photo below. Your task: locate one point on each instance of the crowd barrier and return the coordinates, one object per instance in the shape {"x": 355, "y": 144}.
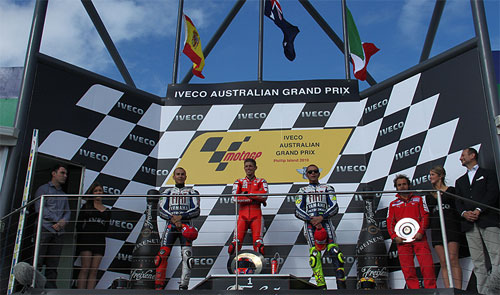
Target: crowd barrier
{"x": 283, "y": 235}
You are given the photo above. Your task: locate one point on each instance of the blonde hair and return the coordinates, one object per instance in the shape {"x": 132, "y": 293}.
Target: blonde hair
{"x": 439, "y": 170}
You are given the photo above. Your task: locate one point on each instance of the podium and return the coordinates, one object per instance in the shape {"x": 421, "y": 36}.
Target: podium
{"x": 254, "y": 282}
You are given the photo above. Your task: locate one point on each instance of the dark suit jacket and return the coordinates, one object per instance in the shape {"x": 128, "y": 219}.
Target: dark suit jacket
{"x": 484, "y": 189}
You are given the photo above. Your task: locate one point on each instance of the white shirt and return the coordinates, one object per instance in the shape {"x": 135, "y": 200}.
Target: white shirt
{"x": 472, "y": 172}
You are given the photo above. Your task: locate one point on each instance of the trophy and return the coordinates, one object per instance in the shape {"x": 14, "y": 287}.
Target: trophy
{"x": 246, "y": 262}
{"x": 406, "y": 229}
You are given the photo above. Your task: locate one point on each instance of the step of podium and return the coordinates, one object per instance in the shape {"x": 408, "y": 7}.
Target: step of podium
{"x": 256, "y": 282}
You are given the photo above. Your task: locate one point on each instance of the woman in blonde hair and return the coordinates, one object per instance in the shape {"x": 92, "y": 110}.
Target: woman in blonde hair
{"x": 452, "y": 223}
{"x": 92, "y": 226}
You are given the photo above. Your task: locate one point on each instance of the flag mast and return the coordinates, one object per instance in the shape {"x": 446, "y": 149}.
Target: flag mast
{"x": 261, "y": 40}
{"x": 346, "y": 40}
{"x": 177, "y": 41}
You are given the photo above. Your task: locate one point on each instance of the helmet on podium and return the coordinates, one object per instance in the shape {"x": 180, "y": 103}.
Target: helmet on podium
{"x": 320, "y": 239}
{"x": 189, "y": 232}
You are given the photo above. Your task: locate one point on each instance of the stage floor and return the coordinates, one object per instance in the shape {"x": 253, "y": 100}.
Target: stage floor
{"x": 201, "y": 292}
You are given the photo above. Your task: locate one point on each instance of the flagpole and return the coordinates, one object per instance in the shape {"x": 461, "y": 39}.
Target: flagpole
{"x": 346, "y": 41}
{"x": 177, "y": 41}
{"x": 261, "y": 40}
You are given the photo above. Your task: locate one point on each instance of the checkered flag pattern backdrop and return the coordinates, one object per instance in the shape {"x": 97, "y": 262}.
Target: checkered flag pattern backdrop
{"x": 131, "y": 145}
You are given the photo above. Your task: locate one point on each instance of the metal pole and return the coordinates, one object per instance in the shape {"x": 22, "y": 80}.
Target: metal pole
{"x": 37, "y": 241}
{"x": 7, "y": 195}
{"x": 180, "y": 15}
{"x": 108, "y": 42}
{"x": 445, "y": 239}
{"x": 330, "y": 33}
{"x": 436, "y": 60}
{"x": 236, "y": 239}
{"x": 346, "y": 41}
{"x": 488, "y": 75}
{"x": 261, "y": 40}
{"x": 22, "y": 214}
{"x": 222, "y": 28}
{"x": 431, "y": 32}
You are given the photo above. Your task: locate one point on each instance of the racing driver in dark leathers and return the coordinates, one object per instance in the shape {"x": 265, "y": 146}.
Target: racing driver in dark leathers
{"x": 249, "y": 212}
{"x": 316, "y": 210}
{"x": 178, "y": 206}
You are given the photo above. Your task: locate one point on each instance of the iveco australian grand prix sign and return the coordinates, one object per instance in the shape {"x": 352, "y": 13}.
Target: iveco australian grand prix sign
{"x": 263, "y": 92}
{"x": 216, "y": 157}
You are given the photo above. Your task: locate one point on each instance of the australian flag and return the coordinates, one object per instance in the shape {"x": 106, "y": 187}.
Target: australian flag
{"x": 274, "y": 12}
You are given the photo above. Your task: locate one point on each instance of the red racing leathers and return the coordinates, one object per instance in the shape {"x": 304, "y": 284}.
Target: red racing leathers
{"x": 416, "y": 208}
{"x": 250, "y": 214}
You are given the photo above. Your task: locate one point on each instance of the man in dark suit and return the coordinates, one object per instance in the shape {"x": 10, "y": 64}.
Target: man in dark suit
{"x": 480, "y": 224}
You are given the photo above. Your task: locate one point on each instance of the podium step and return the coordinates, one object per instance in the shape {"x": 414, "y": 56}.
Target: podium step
{"x": 261, "y": 282}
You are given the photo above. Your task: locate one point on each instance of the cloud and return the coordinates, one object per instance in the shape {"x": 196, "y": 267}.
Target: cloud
{"x": 69, "y": 34}
{"x": 414, "y": 20}
{"x": 15, "y": 22}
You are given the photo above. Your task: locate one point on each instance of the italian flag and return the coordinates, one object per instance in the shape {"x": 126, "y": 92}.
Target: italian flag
{"x": 360, "y": 52}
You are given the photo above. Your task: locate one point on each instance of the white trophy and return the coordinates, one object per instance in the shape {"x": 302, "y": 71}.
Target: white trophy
{"x": 406, "y": 229}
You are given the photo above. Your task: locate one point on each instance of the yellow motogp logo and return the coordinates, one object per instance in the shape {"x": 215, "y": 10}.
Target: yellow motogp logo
{"x": 218, "y": 157}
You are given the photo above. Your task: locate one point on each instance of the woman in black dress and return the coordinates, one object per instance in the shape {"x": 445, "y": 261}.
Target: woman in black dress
{"x": 452, "y": 223}
{"x": 92, "y": 227}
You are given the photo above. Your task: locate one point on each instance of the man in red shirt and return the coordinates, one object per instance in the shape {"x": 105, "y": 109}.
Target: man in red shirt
{"x": 249, "y": 211}
{"x": 408, "y": 205}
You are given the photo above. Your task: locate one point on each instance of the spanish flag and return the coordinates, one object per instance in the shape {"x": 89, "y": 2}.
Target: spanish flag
{"x": 192, "y": 47}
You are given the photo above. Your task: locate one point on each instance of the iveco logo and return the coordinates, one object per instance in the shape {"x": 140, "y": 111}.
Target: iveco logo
{"x": 281, "y": 260}
{"x": 194, "y": 117}
{"x": 111, "y": 191}
{"x": 315, "y": 114}
{"x": 252, "y": 116}
{"x": 420, "y": 180}
{"x": 202, "y": 261}
{"x": 408, "y": 152}
{"x": 376, "y": 106}
{"x": 351, "y": 168}
{"x": 189, "y": 93}
{"x": 93, "y": 155}
{"x": 130, "y": 108}
{"x": 124, "y": 257}
{"x": 226, "y": 200}
{"x": 329, "y": 259}
{"x": 391, "y": 128}
{"x": 154, "y": 171}
{"x": 121, "y": 224}
{"x": 141, "y": 139}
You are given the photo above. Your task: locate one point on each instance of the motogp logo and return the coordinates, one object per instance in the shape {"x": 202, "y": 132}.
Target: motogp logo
{"x": 232, "y": 153}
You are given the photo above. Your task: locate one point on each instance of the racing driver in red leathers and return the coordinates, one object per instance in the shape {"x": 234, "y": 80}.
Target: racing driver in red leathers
{"x": 411, "y": 206}
{"x": 249, "y": 211}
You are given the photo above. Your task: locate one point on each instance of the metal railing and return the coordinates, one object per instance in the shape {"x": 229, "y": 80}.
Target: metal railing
{"x": 216, "y": 210}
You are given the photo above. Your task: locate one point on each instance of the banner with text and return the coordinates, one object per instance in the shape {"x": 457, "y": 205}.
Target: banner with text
{"x": 263, "y": 92}
{"x": 281, "y": 156}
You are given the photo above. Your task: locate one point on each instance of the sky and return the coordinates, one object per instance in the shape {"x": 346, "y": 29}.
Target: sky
{"x": 144, "y": 33}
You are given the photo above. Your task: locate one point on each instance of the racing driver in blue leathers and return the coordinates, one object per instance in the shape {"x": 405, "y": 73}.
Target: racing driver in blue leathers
{"x": 316, "y": 210}
{"x": 178, "y": 205}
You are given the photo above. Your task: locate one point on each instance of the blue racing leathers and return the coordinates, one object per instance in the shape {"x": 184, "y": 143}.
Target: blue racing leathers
{"x": 310, "y": 203}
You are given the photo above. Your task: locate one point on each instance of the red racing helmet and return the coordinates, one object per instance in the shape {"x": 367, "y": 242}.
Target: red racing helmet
{"x": 320, "y": 239}
{"x": 189, "y": 232}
